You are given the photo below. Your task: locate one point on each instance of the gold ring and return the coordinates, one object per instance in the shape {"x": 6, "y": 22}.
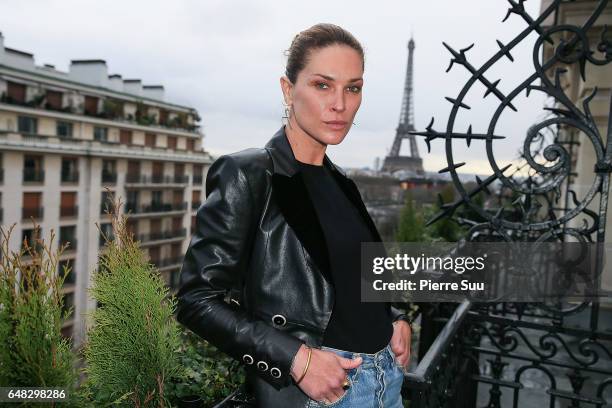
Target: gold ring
{"x": 345, "y": 384}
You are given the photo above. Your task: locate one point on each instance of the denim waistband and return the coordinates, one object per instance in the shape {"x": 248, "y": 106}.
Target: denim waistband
{"x": 369, "y": 359}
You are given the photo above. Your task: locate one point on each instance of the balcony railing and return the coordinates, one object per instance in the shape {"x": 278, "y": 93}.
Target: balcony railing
{"x": 33, "y": 175}
{"x": 156, "y": 236}
{"x": 69, "y": 211}
{"x": 154, "y": 207}
{"x": 36, "y": 212}
{"x": 70, "y": 176}
{"x": 109, "y": 177}
{"x": 156, "y": 179}
{"x": 195, "y": 205}
{"x": 197, "y": 179}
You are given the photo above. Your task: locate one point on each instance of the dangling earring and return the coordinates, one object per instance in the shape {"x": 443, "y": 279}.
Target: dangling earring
{"x": 286, "y": 115}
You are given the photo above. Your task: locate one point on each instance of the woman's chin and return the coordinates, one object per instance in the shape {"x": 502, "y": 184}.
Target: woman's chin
{"x": 333, "y": 137}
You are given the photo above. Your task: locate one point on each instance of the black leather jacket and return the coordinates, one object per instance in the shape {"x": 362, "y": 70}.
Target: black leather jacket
{"x": 255, "y": 281}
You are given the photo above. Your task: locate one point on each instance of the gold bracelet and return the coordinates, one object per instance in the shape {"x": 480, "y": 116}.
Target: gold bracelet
{"x": 306, "y": 367}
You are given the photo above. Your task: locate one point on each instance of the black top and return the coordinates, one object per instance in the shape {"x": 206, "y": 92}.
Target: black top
{"x": 363, "y": 327}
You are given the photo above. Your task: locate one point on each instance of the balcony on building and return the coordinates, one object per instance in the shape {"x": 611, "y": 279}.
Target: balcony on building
{"x": 33, "y": 175}
{"x": 146, "y": 181}
{"x": 108, "y": 177}
{"x": 160, "y": 237}
{"x": 147, "y": 112}
{"x": 154, "y": 208}
{"x": 67, "y": 236}
{"x": 67, "y": 211}
{"x": 34, "y": 212}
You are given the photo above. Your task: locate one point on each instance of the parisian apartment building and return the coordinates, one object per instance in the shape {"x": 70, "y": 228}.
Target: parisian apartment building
{"x": 69, "y": 141}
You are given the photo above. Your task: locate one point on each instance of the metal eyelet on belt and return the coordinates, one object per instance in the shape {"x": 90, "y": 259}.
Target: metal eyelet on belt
{"x": 279, "y": 320}
{"x": 248, "y": 359}
{"x": 275, "y": 372}
{"x": 262, "y": 365}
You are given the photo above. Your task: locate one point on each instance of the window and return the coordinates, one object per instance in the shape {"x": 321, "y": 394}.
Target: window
{"x": 67, "y": 235}
{"x": 32, "y": 205}
{"x": 106, "y": 230}
{"x": 68, "y": 305}
{"x": 131, "y": 203}
{"x": 29, "y": 237}
{"x": 156, "y": 197}
{"x": 172, "y": 142}
{"x": 63, "y": 129}
{"x": 91, "y": 105}
{"x": 150, "y": 139}
{"x": 100, "y": 134}
{"x": 106, "y": 202}
{"x": 66, "y": 271}
{"x": 163, "y": 117}
{"x": 33, "y": 169}
{"x": 68, "y": 204}
{"x": 195, "y": 199}
{"x": 16, "y": 92}
{"x": 109, "y": 174}
{"x": 70, "y": 173}
{"x": 125, "y": 137}
{"x": 27, "y": 124}
{"x": 197, "y": 174}
{"x": 54, "y": 100}
{"x": 191, "y": 144}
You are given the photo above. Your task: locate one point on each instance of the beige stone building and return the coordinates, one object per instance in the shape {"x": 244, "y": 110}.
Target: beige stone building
{"x": 596, "y": 76}
{"x": 65, "y": 137}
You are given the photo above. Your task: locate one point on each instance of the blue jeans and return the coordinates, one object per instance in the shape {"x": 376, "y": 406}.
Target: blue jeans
{"x": 376, "y": 383}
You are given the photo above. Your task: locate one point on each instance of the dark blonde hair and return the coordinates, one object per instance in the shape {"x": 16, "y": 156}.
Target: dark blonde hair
{"x": 316, "y": 37}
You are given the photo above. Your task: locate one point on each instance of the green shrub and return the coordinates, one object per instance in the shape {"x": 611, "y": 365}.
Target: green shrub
{"x": 33, "y": 352}
{"x": 209, "y": 373}
{"x": 131, "y": 347}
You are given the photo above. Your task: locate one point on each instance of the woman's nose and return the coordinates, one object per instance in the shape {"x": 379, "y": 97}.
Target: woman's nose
{"x": 339, "y": 104}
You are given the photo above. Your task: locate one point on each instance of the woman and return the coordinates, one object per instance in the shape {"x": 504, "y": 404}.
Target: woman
{"x": 276, "y": 250}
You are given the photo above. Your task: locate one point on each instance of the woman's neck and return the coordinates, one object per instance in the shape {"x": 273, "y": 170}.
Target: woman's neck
{"x": 306, "y": 149}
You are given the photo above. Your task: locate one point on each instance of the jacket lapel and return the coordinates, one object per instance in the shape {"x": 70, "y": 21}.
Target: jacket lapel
{"x": 294, "y": 201}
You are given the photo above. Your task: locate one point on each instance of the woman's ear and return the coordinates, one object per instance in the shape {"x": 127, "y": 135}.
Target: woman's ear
{"x": 286, "y": 87}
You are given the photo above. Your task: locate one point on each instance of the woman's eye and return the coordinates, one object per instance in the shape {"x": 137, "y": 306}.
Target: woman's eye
{"x": 321, "y": 85}
{"x": 354, "y": 89}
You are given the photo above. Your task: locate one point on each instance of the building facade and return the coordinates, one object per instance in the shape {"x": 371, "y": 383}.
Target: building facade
{"x": 69, "y": 140}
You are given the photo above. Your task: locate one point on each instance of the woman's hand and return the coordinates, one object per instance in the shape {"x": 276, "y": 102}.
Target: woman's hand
{"x": 400, "y": 342}
{"x": 325, "y": 375}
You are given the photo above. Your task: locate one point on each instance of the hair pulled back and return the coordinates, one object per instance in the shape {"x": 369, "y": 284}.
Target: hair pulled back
{"x": 316, "y": 37}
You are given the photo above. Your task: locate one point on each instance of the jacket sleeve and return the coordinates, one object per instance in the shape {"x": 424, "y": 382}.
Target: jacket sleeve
{"x": 215, "y": 261}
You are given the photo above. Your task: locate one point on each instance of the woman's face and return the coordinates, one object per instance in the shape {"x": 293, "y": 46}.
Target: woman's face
{"x": 327, "y": 93}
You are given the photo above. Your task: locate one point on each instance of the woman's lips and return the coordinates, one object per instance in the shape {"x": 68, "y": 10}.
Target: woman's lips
{"x": 336, "y": 124}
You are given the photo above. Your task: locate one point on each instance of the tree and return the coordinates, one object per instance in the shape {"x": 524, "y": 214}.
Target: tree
{"x": 411, "y": 225}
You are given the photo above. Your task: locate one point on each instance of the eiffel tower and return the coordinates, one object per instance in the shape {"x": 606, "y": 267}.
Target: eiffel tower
{"x": 394, "y": 161}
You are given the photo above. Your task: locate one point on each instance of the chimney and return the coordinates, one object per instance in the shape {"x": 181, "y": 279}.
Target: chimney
{"x": 153, "y": 92}
{"x": 115, "y": 82}
{"x": 132, "y": 86}
{"x": 92, "y": 72}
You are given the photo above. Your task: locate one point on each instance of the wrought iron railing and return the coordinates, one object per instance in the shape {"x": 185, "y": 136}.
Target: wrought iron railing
{"x": 500, "y": 353}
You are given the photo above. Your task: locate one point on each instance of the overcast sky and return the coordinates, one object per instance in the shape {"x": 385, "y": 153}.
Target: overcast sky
{"x": 225, "y": 58}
